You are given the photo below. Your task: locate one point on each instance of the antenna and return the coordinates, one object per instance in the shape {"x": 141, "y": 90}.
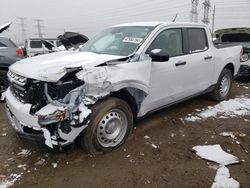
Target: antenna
{"x": 175, "y": 17}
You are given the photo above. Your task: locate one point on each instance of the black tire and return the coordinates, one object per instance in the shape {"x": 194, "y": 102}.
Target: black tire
{"x": 218, "y": 94}
{"x": 3, "y": 82}
{"x": 90, "y": 139}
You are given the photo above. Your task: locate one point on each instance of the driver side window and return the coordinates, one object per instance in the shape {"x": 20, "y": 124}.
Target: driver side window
{"x": 169, "y": 40}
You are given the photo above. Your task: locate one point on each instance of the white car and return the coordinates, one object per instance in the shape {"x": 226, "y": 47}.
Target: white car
{"x": 35, "y": 46}
{"x": 123, "y": 73}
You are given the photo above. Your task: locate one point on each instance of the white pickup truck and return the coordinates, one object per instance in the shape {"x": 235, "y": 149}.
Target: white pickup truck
{"x": 123, "y": 73}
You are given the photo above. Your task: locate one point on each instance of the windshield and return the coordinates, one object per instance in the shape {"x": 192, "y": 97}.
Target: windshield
{"x": 121, "y": 41}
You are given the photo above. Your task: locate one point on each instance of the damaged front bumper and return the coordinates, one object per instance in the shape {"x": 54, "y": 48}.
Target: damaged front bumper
{"x": 49, "y": 127}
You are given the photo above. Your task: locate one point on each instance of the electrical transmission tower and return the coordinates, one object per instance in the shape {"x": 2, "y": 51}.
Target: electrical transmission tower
{"x": 194, "y": 12}
{"x": 207, "y": 6}
{"x": 22, "y": 27}
{"x": 39, "y": 27}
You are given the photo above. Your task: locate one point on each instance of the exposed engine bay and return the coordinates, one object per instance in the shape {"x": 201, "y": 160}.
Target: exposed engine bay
{"x": 59, "y": 106}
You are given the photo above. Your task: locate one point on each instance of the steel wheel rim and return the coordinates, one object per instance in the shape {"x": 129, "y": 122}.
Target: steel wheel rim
{"x": 112, "y": 128}
{"x": 225, "y": 85}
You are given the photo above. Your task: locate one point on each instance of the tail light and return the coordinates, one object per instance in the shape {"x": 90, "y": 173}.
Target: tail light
{"x": 19, "y": 51}
{"x": 243, "y": 56}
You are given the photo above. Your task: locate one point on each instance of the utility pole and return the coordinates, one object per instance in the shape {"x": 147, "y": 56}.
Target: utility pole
{"x": 39, "y": 27}
{"x": 194, "y": 12}
{"x": 22, "y": 27}
{"x": 207, "y": 6}
{"x": 213, "y": 20}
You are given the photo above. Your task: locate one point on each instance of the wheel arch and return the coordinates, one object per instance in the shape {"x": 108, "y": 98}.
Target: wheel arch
{"x": 133, "y": 96}
{"x": 230, "y": 67}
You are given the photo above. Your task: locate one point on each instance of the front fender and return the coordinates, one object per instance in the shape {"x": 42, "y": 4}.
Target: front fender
{"x": 111, "y": 78}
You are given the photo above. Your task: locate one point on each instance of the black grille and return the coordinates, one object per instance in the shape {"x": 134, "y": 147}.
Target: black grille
{"x": 20, "y": 92}
{"x": 27, "y": 90}
{"x": 18, "y": 86}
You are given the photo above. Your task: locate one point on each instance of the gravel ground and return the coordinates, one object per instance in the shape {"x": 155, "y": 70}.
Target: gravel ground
{"x": 157, "y": 154}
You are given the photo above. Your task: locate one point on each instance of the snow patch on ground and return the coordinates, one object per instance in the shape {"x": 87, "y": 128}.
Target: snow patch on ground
{"x": 146, "y": 137}
{"x": 54, "y": 165}
{"x": 223, "y": 179}
{"x": 228, "y": 134}
{"x": 41, "y": 162}
{"x": 192, "y": 118}
{"x": 154, "y": 146}
{"x": 216, "y": 154}
{"x": 240, "y": 106}
{"x": 10, "y": 180}
{"x": 24, "y": 153}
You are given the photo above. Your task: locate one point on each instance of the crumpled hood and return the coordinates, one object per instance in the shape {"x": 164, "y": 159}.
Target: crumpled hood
{"x": 51, "y": 67}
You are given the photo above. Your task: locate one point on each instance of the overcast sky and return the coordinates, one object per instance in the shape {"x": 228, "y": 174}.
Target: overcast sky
{"x": 89, "y": 17}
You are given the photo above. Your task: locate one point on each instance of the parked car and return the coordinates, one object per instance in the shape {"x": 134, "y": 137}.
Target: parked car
{"x": 9, "y": 54}
{"x": 68, "y": 40}
{"x": 123, "y": 73}
{"x": 237, "y": 36}
{"x": 35, "y": 46}
{"x": 7, "y": 46}
{"x": 5, "y": 62}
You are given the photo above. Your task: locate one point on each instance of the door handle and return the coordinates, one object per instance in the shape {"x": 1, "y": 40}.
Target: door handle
{"x": 207, "y": 57}
{"x": 180, "y": 63}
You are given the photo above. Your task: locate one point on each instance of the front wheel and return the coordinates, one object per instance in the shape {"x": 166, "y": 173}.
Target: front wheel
{"x": 223, "y": 86}
{"x": 110, "y": 124}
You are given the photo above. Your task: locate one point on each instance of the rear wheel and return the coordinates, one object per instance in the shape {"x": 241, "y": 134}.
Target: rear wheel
{"x": 3, "y": 82}
{"x": 223, "y": 86}
{"x": 110, "y": 124}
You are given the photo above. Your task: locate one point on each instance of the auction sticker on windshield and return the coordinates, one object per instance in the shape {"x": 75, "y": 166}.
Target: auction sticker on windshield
{"x": 132, "y": 40}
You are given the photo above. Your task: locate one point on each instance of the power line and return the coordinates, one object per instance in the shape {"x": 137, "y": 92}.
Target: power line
{"x": 22, "y": 27}
{"x": 39, "y": 27}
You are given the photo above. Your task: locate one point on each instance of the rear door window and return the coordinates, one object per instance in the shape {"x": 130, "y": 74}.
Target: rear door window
{"x": 197, "y": 40}
{"x": 36, "y": 44}
{"x": 2, "y": 45}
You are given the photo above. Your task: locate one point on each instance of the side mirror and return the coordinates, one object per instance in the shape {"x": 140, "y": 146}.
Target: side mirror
{"x": 159, "y": 55}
